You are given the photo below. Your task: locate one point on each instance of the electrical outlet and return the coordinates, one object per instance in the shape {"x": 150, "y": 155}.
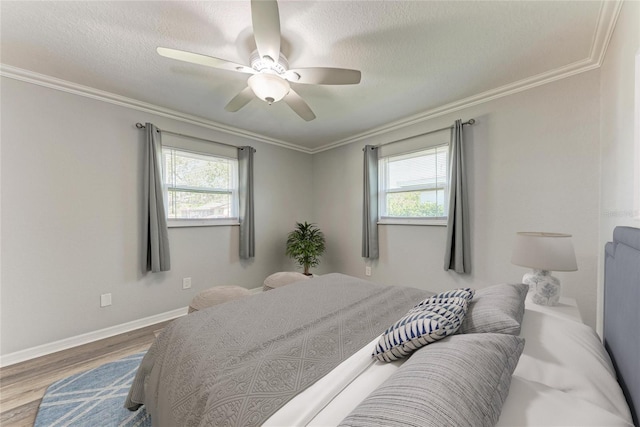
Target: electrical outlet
{"x": 367, "y": 270}
{"x": 186, "y": 283}
{"x": 105, "y": 300}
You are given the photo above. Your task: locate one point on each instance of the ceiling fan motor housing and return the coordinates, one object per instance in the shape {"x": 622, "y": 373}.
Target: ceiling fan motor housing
{"x": 266, "y": 64}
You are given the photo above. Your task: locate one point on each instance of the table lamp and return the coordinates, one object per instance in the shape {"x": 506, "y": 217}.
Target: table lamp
{"x": 544, "y": 252}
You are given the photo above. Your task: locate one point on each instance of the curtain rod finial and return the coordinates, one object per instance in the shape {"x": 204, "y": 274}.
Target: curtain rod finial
{"x": 140, "y": 125}
{"x": 472, "y": 121}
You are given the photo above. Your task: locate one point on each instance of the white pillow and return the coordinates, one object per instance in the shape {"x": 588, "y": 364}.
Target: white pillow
{"x": 282, "y": 278}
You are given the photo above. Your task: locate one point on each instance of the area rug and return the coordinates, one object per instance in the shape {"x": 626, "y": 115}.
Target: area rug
{"x": 93, "y": 398}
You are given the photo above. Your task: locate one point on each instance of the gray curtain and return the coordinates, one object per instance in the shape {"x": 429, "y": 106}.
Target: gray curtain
{"x": 457, "y": 252}
{"x": 245, "y": 193}
{"x": 370, "y": 203}
{"x": 156, "y": 233}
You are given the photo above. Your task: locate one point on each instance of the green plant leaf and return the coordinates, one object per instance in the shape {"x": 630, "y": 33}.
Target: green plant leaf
{"x": 305, "y": 244}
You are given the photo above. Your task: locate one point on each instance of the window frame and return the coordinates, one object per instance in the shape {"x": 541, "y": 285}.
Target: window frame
{"x": 233, "y": 219}
{"x": 383, "y": 176}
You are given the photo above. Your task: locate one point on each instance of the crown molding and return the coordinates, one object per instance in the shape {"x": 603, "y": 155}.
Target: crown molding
{"x": 510, "y": 89}
{"x": 607, "y": 18}
{"x": 111, "y": 98}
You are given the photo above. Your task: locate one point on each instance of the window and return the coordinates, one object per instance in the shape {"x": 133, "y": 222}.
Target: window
{"x": 413, "y": 186}
{"x": 200, "y": 189}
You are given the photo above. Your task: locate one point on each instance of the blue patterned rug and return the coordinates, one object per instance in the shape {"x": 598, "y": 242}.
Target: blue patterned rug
{"x": 93, "y": 398}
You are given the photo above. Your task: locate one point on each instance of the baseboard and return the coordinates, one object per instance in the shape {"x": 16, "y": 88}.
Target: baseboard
{"x": 43, "y": 350}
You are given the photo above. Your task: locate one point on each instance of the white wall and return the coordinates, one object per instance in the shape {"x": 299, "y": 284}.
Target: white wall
{"x": 620, "y": 130}
{"x": 533, "y": 160}
{"x": 71, "y": 218}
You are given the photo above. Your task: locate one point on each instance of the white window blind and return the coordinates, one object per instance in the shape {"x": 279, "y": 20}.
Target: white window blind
{"x": 413, "y": 186}
{"x": 200, "y": 189}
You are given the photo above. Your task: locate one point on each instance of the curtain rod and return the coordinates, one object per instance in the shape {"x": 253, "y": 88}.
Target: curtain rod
{"x": 141, "y": 126}
{"x": 469, "y": 122}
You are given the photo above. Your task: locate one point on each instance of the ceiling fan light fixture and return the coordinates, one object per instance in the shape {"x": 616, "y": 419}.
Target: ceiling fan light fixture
{"x": 269, "y": 87}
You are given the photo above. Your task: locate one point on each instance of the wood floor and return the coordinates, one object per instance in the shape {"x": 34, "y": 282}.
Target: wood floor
{"x": 22, "y": 385}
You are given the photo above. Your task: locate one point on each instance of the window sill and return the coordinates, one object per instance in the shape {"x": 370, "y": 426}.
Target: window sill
{"x": 181, "y": 223}
{"x": 413, "y": 221}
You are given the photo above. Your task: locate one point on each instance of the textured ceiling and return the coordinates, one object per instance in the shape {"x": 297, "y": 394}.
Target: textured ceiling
{"x": 415, "y": 56}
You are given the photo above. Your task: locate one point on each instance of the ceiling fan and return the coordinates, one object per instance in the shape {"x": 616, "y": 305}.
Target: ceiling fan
{"x": 270, "y": 70}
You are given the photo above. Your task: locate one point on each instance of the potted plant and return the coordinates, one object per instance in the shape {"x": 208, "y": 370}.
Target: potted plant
{"x": 305, "y": 244}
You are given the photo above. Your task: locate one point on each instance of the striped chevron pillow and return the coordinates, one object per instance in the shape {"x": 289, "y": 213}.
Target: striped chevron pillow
{"x": 466, "y": 293}
{"x": 422, "y": 325}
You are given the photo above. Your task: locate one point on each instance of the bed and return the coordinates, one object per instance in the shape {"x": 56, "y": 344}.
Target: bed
{"x": 302, "y": 355}
{"x": 622, "y": 312}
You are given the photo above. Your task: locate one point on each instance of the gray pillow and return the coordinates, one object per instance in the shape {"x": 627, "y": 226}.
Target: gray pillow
{"x": 497, "y": 309}
{"x": 462, "y": 380}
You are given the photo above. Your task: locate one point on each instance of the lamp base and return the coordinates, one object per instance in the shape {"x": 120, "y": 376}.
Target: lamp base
{"x": 547, "y": 287}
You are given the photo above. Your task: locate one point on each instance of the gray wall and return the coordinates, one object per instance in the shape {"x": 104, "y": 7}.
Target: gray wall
{"x": 533, "y": 160}
{"x": 71, "y": 218}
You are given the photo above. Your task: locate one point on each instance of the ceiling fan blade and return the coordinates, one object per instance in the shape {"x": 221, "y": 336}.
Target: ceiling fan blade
{"x": 324, "y": 76}
{"x": 209, "y": 61}
{"x": 298, "y": 105}
{"x": 266, "y": 28}
{"x": 240, "y": 100}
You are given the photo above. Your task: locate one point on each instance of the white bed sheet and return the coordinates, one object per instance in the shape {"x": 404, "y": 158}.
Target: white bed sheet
{"x": 564, "y": 377}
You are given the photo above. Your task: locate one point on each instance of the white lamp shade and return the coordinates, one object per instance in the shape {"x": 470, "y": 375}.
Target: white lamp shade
{"x": 269, "y": 87}
{"x": 544, "y": 251}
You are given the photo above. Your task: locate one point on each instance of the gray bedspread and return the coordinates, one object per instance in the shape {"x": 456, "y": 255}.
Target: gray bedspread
{"x": 237, "y": 363}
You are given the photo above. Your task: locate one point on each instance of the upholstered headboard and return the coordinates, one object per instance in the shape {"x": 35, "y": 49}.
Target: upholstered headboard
{"x": 622, "y": 311}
